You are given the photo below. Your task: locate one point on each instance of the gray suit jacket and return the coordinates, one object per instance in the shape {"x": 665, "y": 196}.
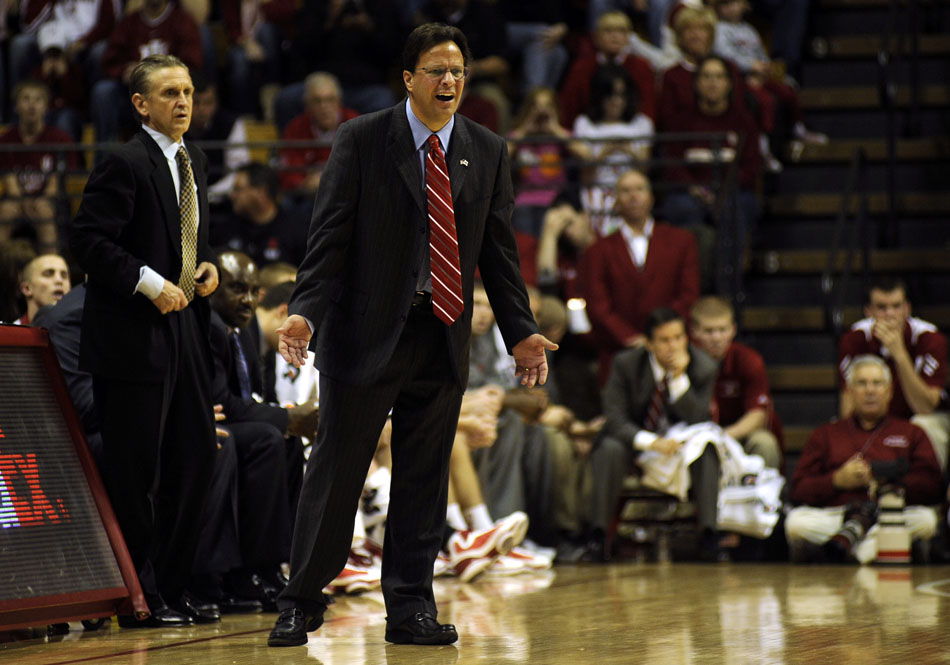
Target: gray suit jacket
{"x": 630, "y": 388}
{"x": 369, "y": 233}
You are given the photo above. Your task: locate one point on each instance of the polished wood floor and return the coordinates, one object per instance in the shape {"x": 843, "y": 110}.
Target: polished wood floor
{"x": 602, "y": 615}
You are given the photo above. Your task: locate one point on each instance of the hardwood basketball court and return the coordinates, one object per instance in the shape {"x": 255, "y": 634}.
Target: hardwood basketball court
{"x": 668, "y": 613}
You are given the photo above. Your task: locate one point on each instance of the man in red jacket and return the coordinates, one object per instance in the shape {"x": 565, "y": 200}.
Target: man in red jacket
{"x": 323, "y": 114}
{"x": 642, "y": 266}
{"x": 836, "y": 471}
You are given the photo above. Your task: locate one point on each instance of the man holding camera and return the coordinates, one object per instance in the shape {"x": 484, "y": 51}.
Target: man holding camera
{"x": 845, "y": 462}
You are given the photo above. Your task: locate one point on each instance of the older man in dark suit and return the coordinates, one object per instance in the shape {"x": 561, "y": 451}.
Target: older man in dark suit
{"x": 650, "y": 388}
{"x": 141, "y": 236}
{"x": 413, "y": 199}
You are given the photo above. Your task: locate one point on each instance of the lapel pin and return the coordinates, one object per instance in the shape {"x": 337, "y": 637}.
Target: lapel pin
{"x": 463, "y": 162}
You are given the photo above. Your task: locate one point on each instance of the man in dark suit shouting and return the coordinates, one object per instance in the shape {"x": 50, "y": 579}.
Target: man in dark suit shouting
{"x": 141, "y": 235}
{"x": 413, "y": 199}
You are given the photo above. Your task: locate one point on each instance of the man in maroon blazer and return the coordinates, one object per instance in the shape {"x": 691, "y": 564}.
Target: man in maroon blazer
{"x": 642, "y": 266}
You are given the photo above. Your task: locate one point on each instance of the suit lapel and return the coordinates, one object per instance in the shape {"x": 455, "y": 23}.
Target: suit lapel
{"x": 165, "y": 187}
{"x": 402, "y": 153}
{"x": 460, "y": 154}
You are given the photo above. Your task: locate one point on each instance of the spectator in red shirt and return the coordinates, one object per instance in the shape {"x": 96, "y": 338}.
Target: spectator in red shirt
{"x": 323, "y": 113}
{"x": 916, "y": 353}
{"x": 742, "y": 397}
{"x": 699, "y": 166}
{"x": 836, "y": 474}
{"x": 159, "y": 27}
{"x": 611, "y": 39}
{"x": 30, "y": 186}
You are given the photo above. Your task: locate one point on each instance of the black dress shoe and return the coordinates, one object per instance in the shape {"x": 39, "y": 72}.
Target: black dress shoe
{"x": 275, "y": 577}
{"x": 231, "y": 604}
{"x": 421, "y": 628}
{"x": 251, "y": 585}
{"x": 596, "y": 550}
{"x": 292, "y": 627}
{"x": 201, "y": 611}
{"x": 162, "y": 617}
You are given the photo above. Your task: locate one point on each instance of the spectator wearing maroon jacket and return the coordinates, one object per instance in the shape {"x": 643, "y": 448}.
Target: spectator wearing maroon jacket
{"x": 695, "y": 30}
{"x": 915, "y": 351}
{"x": 323, "y": 114}
{"x": 160, "y": 27}
{"x": 699, "y": 166}
{"x": 30, "y": 185}
{"x": 611, "y": 39}
{"x": 836, "y": 472}
{"x": 742, "y": 398}
{"x": 642, "y": 266}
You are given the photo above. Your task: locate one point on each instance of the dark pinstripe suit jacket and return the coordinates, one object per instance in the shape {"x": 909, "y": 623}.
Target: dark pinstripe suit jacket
{"x": 369, "y": 232}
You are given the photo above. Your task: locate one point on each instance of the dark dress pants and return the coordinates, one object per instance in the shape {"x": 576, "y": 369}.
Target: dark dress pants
{"x": 159, "y": 451}
{"x": 420, "y": 387}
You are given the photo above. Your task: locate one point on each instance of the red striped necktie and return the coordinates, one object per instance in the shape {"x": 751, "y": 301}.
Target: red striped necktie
{"x": 443, "y": 243}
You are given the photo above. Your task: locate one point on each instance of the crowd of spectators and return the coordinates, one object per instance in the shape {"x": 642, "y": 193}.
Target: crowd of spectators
{"x": 540, "y": 70}
{"x": 618, "y": 258}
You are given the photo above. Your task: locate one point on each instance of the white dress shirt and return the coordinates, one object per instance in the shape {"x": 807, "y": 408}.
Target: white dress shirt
{"x": 150, "y": 282}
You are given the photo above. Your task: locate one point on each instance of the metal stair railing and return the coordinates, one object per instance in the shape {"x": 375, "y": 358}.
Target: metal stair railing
{"x": 834, "y": 286}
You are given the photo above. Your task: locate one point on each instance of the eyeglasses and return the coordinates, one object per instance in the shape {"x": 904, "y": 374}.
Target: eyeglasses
{"x": 438, "y": 73}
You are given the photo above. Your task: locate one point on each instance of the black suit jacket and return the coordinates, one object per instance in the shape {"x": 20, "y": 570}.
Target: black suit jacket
{"x": 226, "y": 388}
{"x": 631, "y": 385}
{"x": 129, "y": 218}
{"x": 369, "y": 233}
{"x": 64, "y": 323}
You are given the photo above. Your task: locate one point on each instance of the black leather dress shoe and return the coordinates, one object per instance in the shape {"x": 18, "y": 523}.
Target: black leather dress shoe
{"x": 292, "y": 627}
{"x": 251, "y": 585}
{"x": 231, "y": 604}
{"x": 201, "y": 611}
{"x": 421, "y": 628}
{"x": 162, "y": 617}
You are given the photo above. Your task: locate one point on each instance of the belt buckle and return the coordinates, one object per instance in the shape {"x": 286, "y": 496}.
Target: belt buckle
{"x": 421, "y": 299}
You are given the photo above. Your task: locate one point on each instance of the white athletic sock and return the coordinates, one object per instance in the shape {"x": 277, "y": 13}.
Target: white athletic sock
{"x": 479, "y": 518}
{"x": 454, "y": 518}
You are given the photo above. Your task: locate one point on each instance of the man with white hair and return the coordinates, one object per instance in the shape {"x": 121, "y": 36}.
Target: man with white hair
{"x": 843, "y": 463}
{"x": 323, "y": 113}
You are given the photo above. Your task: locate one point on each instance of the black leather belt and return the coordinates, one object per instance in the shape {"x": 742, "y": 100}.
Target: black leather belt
{"x": 422, "y": 299}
